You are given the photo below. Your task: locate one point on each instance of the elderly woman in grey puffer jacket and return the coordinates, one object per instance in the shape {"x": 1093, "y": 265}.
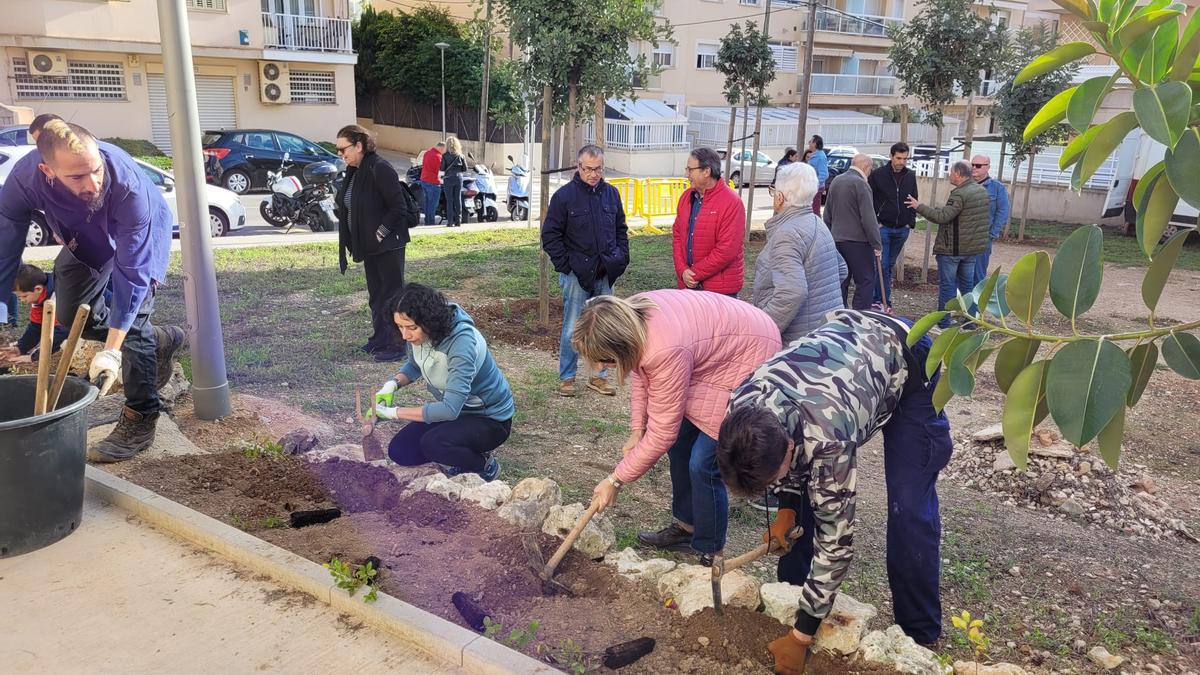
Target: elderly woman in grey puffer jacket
{"x": 798, "y": 276}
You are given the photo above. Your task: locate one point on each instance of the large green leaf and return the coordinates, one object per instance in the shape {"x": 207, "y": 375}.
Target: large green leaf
{"x": 1052, "y": 113}
{"x": 983, "y": 291}
{"x": 1109, "y": 439}
{"x": 1054, "y": 59}
{"x": 1154, "y": 215}
{"x": 1074, "y": 150}
{"x": 1012, "y": 358}
{"x": 1181, "y": 351}
{"x": 1104, "y": 13}
{"x": 942, "y": 394}
{"x": 1162, "y": 110}
{"x": 1077, "y": 271}
{"x": 922, "y": 326}
{"x": 1105, "y": 143}
{"x": 1146, "y": 183}
{"x": 1085, "y": 386}
{"x": 1189, "y": 48}
{"x": 1021, "y": 405}
{"x": 1142, "y": 361}
{"x": 1160, "y": 268}
{"x": 1182, "y": 163}
{"x": 960, "y": 374}
{"x": 1086, "y": 100}
{"x": 1027, "y": 283}
{"x": 940, "y": 345}
{"x": 1124, "y": 10}
{"x": 1080, "y": 8}
{"x": 1157, "y": 52}
{"x": 1143, "y": 24}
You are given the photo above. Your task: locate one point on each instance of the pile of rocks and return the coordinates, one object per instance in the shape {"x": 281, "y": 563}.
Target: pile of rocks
{"x": 1066, "y": 481}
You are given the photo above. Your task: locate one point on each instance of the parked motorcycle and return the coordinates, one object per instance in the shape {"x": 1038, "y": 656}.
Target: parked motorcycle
{"x": 518, "y": 191}
{"x": 484, "y": 202}
{"x": 295, "y": 202}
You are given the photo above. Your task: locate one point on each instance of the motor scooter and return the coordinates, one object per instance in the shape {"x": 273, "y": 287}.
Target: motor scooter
{"x": 518, "y": 191}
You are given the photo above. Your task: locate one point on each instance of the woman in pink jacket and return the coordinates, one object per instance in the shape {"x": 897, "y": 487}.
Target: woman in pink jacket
{"x": 686, "y": 352}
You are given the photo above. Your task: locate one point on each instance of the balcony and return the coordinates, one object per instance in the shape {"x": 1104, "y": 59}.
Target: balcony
{"x": 853, "y": 85}
{"x": 857, "y": 24}
{"x": 987, "y": 88}
{"x": 293, "y": 32}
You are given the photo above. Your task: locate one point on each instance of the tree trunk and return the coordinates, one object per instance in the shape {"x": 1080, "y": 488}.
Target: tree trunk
{"x": 754, "y": 166}
{"x": 1012, "y": 196}
{"x": 742, "y": 164}
{"x": 937, "y": 159}
{"x": 1025, "y": 205}
{"x": 970, "y": 133}
{"x": 903, "y": 122}
{"x": 570, "y": 144}
{"x": 487, "y": 71}
{"x": 1000, "y": 172}
{"x": 599, "y": 120}
{"x": 544, "y": 205}
{"x": 729, "y": 142}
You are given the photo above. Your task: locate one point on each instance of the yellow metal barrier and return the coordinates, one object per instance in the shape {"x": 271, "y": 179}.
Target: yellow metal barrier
{"x": 660, "y": 197}
{"x": 630, "y": 190}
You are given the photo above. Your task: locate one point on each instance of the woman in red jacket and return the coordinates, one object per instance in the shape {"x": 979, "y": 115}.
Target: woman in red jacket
{"x": 709, "y": 229}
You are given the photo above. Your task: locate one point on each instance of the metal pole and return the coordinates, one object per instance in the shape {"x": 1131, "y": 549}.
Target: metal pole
{"x": 442, "y": 48}
{"x": 210, "y": 387}
{"x": 487, "y": 72}
{"x": 806, "y": 81}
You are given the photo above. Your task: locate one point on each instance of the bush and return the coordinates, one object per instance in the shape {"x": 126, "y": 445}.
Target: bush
{"x": 135, "y": 147}
{"x": 332, "y": 147}
{"x": 161, "y": 161}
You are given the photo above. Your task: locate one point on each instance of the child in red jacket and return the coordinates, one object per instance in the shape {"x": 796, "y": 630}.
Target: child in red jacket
{"x": 34, "y": 286}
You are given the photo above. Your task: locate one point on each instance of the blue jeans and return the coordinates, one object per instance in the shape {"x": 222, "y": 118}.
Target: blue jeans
{"x": 698, "y": 496}
{"x": 956, "y": 273}
{"x": 574, "y": 297}
{"x": 432, "y": 192}
{"x": 11, "y": 305}
{"x": 893, "y": 239}
{"x": 981, "y": 263}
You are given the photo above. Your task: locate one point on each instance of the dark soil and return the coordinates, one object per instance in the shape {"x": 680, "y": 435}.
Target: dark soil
{"x": 431, "y": 548}
{"x": 515, "y": 322}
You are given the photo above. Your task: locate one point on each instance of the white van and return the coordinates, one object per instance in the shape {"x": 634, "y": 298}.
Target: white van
{"x": 1137, "y": 153}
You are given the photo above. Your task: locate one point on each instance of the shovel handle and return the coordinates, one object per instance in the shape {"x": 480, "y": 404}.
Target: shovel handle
{"x": 760, "y": 551}
{"x": 882, "y": 295}
{"x": 570, "y": 539}
{"x": 68, "y": 355}
{"x": 45, "y": 354}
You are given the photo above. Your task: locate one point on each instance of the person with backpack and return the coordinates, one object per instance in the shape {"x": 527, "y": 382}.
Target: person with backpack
{"x": 375, "y": 211}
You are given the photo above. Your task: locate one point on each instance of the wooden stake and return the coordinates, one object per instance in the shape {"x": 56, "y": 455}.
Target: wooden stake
{"x": 44, "y": 355}
{"x": 68, "y": 355}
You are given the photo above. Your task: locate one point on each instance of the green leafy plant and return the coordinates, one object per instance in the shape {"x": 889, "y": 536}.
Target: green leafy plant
{"x": 569, "y": 655}
{"x": 517, "y": 638}
{"x": 972, "y": 630}
{"x": 270, "y": 523}
{"x": 263, "y": 448}
{"x": 1085, "y": 383}
{"x": 351, "y": 579}
{"x": 745, "y": 59}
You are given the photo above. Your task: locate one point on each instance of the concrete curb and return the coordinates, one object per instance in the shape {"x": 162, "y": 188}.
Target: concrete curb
{"x": 426, "y": 632}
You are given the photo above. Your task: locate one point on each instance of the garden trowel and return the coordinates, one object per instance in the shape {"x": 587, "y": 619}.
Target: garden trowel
{"x": 371, "y": 445}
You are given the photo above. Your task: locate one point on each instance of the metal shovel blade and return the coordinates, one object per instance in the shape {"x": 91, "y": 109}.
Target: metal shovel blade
{"x": 537, "y": 563}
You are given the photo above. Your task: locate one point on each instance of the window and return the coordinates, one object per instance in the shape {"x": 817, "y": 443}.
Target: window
{"x": 784, "y": 54}
{"x": 15, "y": 137}
{"x": 313, "y": 86}
{"x": 153, "y": 176}
{"x": 752, "y": 3}
{"x": 261, "y": 141}
{"x": 293, "y": 144}
{"x": 94, "y": 80}
{"x": 209, "y": 5}
{"x": 663, "y": 56}
{"x": 706, "y": 56}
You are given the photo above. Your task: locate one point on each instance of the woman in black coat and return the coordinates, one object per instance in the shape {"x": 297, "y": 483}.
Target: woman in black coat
{"x": 375, "y": 212}
{"x": 453, "y": 166}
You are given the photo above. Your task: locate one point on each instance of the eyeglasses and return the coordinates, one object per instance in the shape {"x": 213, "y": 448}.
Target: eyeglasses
{"x": 341, "y": 149}
{"x": 591, "y": 169}
{"x": 689, "y": 169}
{"x": 979, "y": 166}
{"x": 772, "y": 191}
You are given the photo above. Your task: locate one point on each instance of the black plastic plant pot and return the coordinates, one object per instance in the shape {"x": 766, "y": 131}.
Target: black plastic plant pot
{"x": 41, "y": 464}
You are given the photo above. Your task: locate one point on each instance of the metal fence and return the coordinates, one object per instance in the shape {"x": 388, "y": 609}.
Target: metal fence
{"x": 920, "y": 133}
{"x": 638, "y": 135}
{"x": 1045, "y": 168}
{"x": 306, "y": 33}
{"x": 399, "y": 110}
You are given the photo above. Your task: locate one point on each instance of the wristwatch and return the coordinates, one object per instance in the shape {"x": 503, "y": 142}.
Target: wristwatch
{"x": 615, "y": 483}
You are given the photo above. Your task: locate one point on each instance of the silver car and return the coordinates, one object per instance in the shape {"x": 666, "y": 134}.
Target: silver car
{"x": 740, "y": 168}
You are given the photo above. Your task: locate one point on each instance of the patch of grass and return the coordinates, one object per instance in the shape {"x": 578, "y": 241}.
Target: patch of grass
{"x": 1110, "y": 630}
{"x": 263, "y": 448}
{"x": 270, "y": 523}
{"x": 969, "y": 575}
{"x": 1154, "y": 639}
{"x": 626, "y": 537}
{"x": 1044, "y": 642}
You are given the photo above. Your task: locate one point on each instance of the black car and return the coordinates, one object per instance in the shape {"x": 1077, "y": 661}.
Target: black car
{"x": 239, "y": 159}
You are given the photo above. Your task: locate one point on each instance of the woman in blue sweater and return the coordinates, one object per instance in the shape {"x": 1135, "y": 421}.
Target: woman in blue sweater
{"x": 472, "y": 412}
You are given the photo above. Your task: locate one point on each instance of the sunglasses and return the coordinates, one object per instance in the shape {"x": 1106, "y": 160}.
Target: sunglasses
{"x": 341, "y": 149}
{"x": 979, "y": 166}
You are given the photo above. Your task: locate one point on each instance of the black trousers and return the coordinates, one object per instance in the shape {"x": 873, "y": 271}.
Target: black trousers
{"x": 860, "y": 259}
{"x": 452, "y": 188}
{"x": 77, "y": 284}
{"x": 385, "y": 278}
{"x": 463, "y": 443}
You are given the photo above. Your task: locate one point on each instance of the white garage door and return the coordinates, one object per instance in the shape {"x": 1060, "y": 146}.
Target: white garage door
{"x": 214, "y": 96}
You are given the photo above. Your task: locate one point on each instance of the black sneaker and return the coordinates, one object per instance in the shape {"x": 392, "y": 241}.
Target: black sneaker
{"x": 383, "y": 355}
{"x": 672, "y": 538}
{"x": 768, "y": 503}
{"x": 491, "y": 470}
{"x": 134, "y": 433}
{"x": 168, "y": 341}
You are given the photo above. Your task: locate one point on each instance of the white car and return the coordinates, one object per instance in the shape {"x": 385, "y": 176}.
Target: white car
{"x": 225, "y": 212}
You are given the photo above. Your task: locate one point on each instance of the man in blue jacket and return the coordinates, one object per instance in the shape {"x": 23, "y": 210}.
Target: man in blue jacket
{"x": 997, "y": 210}
{"x": 584, "y": 235}
{"x": 116, "y": 228}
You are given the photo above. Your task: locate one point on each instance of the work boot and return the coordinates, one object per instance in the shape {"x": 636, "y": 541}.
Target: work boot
{"x": 134, "y": 433}
{"x": 566, "y": 388}
{"x": 168, "y": 340}
{"x": 672, "y": 538}
{"x": 601, "y": 386}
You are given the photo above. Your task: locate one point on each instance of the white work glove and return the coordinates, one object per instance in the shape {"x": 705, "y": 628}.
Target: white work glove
{"x": 106, "y": 363}
{"x": 384, "y": 412}
{"x": 386, "y": 395}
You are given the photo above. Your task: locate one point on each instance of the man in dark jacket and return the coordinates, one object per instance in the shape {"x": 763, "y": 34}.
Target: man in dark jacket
{"x": 890, "y": 185}
{"x": 962, "y": 233}
{"x": 850, "y": 214}
{"x": 584, "y": 235}
{"x": 116, "y": 226}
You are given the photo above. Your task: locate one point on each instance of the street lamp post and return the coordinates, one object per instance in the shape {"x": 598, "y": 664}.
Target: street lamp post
{"x": 442, "y": 46}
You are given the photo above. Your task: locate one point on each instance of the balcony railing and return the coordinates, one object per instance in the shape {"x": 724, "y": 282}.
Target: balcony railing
{"x": 858, "y": 24}
{"x": 986, "y": 88}
{"x": 306, "y": 33}
{"x": 631, "y": 135}
{"x": 854, "y": 85}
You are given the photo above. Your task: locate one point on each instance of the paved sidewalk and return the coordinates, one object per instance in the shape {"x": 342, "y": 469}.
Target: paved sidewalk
{"x": 118, "y": 596}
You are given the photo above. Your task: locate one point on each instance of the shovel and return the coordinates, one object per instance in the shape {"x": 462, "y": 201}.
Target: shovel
{"x": 721, "y": 566}
{"x": 546, "y": 572}
{"x": 372, "y": 447}
{"x": 887, "y": 306}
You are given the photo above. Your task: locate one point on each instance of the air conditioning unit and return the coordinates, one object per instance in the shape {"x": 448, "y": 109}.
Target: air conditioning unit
{"x": 274, "y": 82}
{"x": 50, "y": 64}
